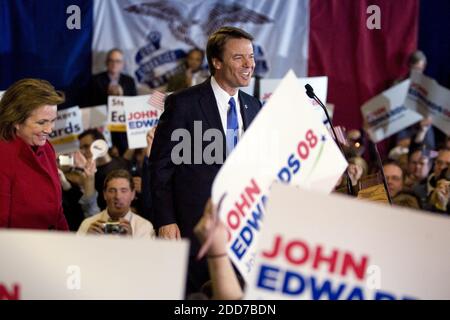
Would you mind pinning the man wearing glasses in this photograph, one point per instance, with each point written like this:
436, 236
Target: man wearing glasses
112, 81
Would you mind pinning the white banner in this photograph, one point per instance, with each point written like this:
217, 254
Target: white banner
386, 113
332, 247
287, 141
68, 126
63, 266
429, 98
156, 35
140, 118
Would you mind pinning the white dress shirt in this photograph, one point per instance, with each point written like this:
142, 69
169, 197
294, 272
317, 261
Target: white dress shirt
142, 228
222, 98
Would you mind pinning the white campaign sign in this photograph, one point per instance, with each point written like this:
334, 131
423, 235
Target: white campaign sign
55, 265
268, 86
68, 126
319, 84
386, 113
94, 117
116, 114
140, 118
316, 246
287, 141
427, 97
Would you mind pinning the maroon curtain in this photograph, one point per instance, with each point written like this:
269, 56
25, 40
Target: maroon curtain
359, 62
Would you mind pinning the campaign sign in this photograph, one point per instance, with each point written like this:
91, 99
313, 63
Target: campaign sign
57, 265
68, 126
140, 118
95, 116
429, 98
332, 247
320, 85
116, 114
386, 113
286, 142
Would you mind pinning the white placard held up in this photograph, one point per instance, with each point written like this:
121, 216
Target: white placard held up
68, 126
56, 265
429, 98
386, 113
140, 118
320, 85
287, 141
95, 116
316, 246
116, 114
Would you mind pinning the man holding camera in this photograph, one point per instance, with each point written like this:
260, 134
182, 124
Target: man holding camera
117, 218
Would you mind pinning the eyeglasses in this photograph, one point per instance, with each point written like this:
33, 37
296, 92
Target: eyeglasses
114, 61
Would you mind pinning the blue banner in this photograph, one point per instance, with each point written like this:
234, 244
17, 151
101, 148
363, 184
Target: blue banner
41, 39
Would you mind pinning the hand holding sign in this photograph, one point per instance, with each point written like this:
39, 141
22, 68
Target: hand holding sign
207, 227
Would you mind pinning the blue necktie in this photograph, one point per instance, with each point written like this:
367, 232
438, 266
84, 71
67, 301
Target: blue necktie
232, 126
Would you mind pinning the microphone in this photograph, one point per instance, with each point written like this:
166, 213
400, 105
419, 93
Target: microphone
310, 93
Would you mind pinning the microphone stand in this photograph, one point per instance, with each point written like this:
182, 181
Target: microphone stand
310, 93
380, 165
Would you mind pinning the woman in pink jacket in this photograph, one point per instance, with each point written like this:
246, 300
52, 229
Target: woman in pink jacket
30, 191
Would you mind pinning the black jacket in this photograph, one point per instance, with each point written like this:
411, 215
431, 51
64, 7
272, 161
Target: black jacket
98, 89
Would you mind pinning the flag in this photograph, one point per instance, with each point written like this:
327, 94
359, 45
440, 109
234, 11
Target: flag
340, 135
157, 100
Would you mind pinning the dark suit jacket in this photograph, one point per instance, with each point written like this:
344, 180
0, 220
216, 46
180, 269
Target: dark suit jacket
30, 191
98, 91
180, 192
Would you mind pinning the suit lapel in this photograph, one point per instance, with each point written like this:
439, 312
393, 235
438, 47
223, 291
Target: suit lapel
210, 110
247, 115
209, 107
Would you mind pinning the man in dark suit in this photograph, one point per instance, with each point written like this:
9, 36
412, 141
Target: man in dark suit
112, 82
180, 191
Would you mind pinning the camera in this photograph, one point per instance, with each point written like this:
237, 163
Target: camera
113, 228
66, 160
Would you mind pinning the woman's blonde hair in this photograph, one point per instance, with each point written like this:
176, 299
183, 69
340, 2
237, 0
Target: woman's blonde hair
21, 99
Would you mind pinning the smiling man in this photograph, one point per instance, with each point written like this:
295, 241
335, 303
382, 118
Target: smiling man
180, 191
117, 218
